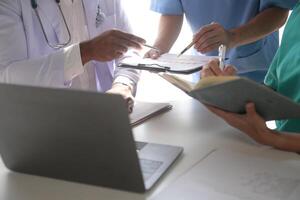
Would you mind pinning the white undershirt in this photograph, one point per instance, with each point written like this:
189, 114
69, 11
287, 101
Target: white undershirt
82, 77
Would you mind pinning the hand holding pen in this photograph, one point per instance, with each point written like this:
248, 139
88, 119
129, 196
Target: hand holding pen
210, 37
222, 54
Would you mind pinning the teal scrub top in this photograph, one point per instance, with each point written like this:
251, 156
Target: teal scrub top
256, 56
284, 73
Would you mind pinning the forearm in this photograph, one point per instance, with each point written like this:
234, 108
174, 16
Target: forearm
283, 141
263, 24
169, 30
129, 77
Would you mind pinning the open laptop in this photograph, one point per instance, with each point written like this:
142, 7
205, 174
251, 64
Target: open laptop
77, 136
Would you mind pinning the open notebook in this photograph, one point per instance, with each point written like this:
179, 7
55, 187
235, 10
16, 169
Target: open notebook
185, 64
232, 93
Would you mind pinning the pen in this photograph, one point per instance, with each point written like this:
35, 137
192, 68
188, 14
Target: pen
186, 48
222, 54
189, 46
151, 47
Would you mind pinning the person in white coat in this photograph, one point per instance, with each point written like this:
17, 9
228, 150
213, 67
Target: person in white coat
69, 43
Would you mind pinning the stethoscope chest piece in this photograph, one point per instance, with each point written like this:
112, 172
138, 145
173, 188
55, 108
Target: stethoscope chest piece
100, 17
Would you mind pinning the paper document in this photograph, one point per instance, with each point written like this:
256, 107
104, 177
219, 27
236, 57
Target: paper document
229, 175
184, 64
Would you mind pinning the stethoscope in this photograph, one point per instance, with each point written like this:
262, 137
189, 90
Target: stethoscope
100, 18
58, 45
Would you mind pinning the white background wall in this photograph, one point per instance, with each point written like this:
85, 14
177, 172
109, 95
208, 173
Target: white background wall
145, 22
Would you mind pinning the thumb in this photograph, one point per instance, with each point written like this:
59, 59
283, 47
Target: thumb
230, 70
250, 109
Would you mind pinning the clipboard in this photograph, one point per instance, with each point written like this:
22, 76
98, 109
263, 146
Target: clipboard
185, 64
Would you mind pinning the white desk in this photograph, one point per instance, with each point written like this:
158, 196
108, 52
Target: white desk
189, 125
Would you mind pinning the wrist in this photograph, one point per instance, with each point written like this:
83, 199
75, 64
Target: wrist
123, 85
85, 52
163, 48
269, 138
234, 38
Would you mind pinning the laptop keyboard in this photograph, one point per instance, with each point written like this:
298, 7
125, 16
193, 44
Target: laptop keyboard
149, 167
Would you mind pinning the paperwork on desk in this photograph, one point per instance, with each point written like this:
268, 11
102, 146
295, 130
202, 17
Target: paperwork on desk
228, 175
185, 64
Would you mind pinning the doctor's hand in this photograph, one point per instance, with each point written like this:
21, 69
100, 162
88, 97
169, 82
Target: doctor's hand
110, 45
211, 36
212, 69
126, 92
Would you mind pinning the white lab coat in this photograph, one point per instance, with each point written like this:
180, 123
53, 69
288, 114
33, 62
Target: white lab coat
25, 57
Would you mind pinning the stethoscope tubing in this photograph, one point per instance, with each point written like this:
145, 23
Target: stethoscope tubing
53, 46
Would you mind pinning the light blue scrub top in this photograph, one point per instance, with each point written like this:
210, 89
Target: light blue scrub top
255, 57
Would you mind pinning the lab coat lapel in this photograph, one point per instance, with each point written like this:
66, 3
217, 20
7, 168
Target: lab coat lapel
91, 8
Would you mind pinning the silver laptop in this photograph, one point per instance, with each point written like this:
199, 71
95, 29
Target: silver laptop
77, 136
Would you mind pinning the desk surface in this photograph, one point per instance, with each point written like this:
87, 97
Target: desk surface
188, 125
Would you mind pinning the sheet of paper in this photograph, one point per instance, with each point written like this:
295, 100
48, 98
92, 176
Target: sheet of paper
229, 175
183, 62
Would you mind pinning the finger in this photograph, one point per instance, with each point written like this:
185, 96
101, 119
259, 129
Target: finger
131, 37
127, 43
207, 72
203, 30
207, 69
209, 48
147, 55
130, 108
119, 47
208, 36
130, 104
230, 70
153, 54
219, 112
118, 55
213, 63
216, 70
250, 109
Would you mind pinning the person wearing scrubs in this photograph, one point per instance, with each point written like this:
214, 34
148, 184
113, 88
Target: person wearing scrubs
245, 27
284, 77
67, 44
